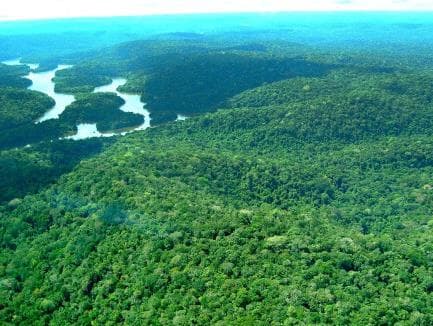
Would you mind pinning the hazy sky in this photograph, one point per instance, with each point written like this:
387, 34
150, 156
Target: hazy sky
17, 9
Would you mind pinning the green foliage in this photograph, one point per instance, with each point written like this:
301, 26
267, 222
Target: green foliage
20, 107
307, 201
102, 109
27, 170
19, 110
11, 76
134, 85
162, 117
230, 220
113, 213
31, 133
79, 80
204, 81
186, 77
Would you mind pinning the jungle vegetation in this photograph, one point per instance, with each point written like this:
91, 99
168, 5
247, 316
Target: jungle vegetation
29, 169
300, 190
10, 76
102, 109
21, 108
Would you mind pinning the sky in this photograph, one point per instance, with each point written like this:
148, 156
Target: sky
39, 9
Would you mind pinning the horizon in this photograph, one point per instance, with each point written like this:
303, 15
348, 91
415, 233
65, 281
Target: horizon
22, 10
324, 12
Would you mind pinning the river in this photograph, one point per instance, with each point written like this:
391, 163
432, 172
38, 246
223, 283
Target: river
132, 104
43, 82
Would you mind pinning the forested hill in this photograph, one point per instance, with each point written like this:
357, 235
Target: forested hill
190, 76
304, 201
299, 191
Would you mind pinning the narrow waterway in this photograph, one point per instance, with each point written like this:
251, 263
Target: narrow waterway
88, 130
132, 104
17, 62
43, 82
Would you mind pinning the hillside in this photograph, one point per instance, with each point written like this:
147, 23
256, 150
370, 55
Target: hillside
306, 202
298, 191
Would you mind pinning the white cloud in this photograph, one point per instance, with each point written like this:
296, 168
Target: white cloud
14, 9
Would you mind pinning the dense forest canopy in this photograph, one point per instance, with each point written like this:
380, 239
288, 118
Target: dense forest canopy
21, 107
102, 109
298, 191
10, 76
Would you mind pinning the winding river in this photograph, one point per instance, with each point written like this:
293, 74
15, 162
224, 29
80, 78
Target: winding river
132, 104
43, 82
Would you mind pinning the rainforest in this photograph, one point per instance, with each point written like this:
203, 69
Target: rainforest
220, 169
